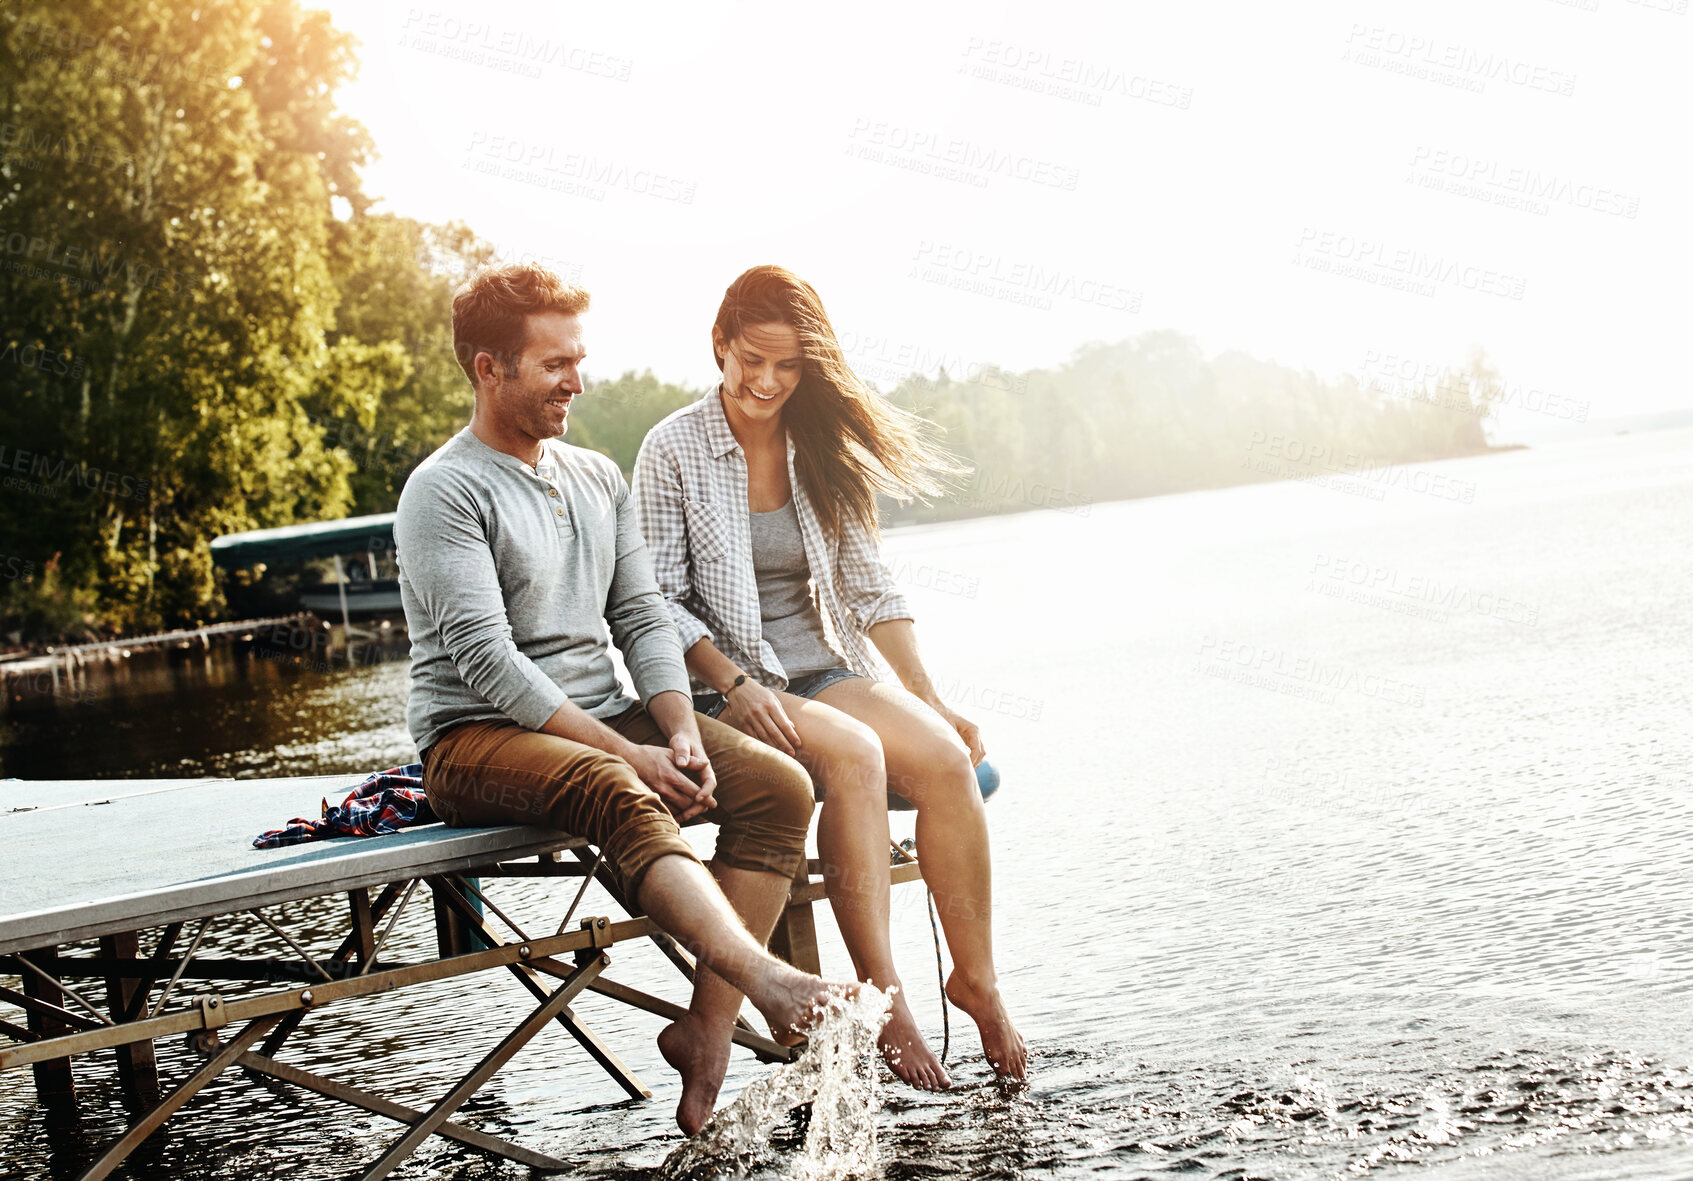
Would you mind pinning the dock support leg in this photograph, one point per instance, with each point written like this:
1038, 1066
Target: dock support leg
452, 933
167, 1107
54, 1082
795, 936
138, 1070
525, 974
487, 1068
363, 935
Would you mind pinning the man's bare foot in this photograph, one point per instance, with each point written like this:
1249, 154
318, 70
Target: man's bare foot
1004, 1047
700, 1056
790, 1040
905, 1051
793, 1001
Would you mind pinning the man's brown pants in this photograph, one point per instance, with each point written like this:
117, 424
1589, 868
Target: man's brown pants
497, 772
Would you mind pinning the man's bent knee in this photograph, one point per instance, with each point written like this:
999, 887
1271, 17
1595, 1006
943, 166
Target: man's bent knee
628, 820
768, 832
787, 805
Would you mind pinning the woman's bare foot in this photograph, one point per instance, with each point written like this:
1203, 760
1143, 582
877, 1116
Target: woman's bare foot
1004, 1047
701, 1057
905, 1051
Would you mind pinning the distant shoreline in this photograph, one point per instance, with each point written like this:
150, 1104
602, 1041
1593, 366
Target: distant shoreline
936, 514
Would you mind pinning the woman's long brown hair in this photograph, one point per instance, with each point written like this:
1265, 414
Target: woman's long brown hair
849, 442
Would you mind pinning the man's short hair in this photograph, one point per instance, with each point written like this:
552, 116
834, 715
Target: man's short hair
491, 311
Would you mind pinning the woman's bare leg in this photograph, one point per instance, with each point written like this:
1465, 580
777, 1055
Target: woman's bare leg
927, 764
845, 756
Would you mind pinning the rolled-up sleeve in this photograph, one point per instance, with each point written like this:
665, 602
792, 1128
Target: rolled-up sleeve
866, 586
640, 625
664, 524
441, 542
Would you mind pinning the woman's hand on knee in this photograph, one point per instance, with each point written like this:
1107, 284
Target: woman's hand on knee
753, 709
967, 730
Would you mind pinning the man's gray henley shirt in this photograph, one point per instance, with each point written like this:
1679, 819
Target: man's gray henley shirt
510, 576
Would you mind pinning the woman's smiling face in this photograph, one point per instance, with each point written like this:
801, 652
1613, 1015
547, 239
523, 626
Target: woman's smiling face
761, 369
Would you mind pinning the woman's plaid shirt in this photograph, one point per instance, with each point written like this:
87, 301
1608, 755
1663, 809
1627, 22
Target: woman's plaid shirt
691, 489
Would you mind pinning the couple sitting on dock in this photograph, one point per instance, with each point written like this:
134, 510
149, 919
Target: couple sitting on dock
740, 580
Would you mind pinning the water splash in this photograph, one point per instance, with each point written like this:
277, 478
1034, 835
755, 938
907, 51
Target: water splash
837, 1075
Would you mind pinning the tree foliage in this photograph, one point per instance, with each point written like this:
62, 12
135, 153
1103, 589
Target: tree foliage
1154, 415
189, 327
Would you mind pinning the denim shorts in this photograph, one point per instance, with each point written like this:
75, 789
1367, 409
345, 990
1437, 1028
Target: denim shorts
804, 685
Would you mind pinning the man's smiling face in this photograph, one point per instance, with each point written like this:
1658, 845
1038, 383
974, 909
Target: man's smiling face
535, 402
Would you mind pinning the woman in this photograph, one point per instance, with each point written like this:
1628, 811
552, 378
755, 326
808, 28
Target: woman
758, 503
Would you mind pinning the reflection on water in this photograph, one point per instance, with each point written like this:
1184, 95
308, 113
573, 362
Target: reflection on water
1288, 882
222, 712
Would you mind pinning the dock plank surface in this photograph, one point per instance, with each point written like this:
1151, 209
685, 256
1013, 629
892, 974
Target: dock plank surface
94, 858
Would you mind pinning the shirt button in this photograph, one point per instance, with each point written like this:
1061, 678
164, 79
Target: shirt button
552, 491
561, 512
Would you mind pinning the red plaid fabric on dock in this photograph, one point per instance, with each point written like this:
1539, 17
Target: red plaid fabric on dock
385, 802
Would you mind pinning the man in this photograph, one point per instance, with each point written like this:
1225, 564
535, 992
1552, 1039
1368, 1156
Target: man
515, 554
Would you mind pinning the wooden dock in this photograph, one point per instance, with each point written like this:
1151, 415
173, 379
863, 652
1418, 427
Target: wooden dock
116, 883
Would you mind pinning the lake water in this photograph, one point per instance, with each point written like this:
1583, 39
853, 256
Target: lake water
1346, 831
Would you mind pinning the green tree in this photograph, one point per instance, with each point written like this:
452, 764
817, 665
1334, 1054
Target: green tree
224, 351
614, 416
395, 279
169, 195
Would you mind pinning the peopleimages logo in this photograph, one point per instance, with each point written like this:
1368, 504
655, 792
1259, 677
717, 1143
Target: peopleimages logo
509, 50
1296, 673
55, 474
1059, 76
91, 267
1413, 592
1514, 185
1289, 457
950, 157
44, 360
1436, 384
1355, 256
578, 173
112, 57
24, 142
1435, 60
984, 272
877, 357
12, 567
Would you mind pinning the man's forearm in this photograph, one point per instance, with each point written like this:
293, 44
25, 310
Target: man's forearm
577, 724
674, 714
672, 711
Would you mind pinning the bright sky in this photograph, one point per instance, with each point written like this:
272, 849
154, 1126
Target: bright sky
1349, 187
